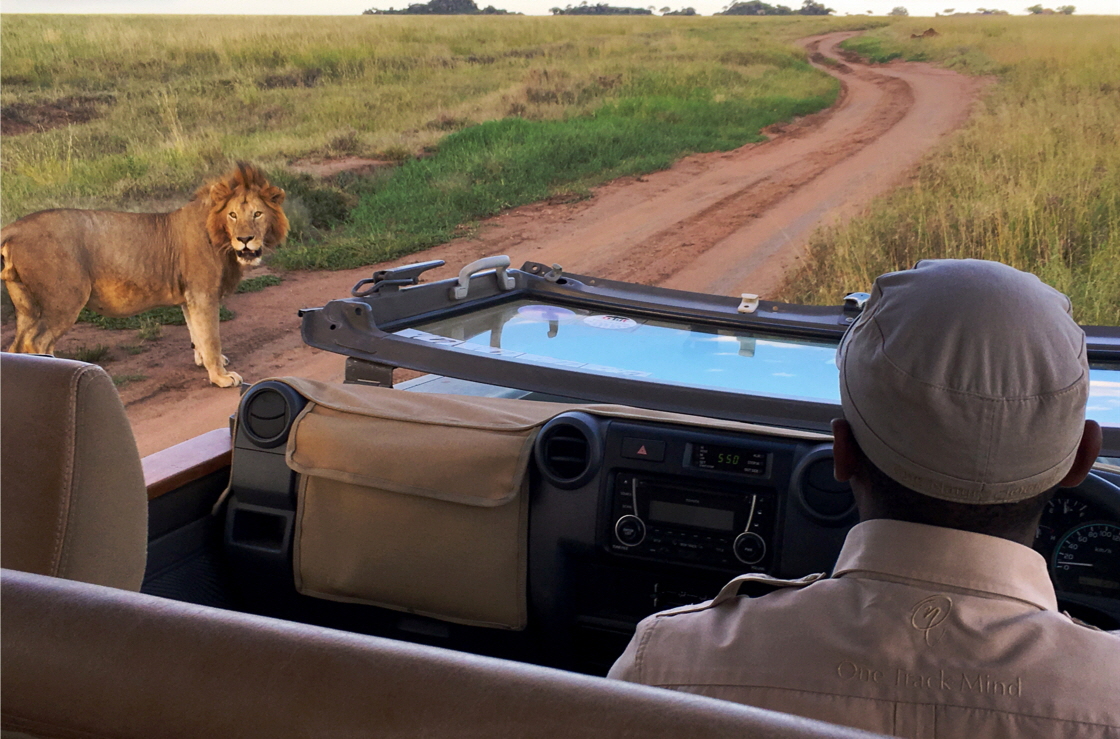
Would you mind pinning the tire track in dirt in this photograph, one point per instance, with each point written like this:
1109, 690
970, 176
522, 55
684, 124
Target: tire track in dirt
726, 223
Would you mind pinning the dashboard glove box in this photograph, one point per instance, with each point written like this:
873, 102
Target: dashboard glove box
414, 502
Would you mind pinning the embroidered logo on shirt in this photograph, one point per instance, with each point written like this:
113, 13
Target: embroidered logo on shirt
930, 613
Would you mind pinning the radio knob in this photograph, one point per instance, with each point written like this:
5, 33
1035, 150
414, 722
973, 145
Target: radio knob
749, 548
630, 530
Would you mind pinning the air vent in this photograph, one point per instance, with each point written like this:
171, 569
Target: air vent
266, 415
569, 450
821, 496
267, 412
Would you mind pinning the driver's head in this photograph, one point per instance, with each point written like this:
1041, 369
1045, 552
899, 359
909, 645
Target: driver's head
965, 382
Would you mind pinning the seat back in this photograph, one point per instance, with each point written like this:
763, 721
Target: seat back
73, 496
84, 660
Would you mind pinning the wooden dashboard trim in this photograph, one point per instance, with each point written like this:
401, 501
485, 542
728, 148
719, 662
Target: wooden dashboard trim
177, 465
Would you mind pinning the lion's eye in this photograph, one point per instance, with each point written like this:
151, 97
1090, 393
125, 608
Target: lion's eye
257, 214
233, 215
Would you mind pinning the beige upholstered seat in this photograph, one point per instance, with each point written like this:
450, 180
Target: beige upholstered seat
74, 503
84, 660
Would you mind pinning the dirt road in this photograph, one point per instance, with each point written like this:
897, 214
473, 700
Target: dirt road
723, 223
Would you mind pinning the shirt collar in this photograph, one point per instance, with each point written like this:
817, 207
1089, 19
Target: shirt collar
959, 559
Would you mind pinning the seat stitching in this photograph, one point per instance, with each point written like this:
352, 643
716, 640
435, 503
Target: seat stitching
70, 432
74, 473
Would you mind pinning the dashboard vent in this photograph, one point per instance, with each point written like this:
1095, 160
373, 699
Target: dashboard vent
266, 415
826, 500
267, 412
569, 449
565, 453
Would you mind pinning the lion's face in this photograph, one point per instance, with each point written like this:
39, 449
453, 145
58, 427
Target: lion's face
246, 215
247, 222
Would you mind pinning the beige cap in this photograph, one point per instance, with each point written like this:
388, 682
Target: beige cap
966, 380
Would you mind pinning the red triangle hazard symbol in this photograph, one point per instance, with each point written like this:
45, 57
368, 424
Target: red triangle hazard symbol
642, 450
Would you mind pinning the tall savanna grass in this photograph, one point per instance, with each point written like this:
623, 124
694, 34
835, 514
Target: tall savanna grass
182, 97
1033, 180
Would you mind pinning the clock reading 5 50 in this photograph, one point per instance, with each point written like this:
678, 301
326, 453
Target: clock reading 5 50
729, 459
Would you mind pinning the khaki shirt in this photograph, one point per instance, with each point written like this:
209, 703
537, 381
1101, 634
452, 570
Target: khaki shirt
921, 631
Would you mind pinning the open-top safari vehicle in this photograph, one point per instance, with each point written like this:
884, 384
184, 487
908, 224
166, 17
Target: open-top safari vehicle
581, 454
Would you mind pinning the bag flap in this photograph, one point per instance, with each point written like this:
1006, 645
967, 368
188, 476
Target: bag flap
473, 451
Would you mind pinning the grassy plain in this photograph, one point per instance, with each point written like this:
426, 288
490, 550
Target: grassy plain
179, 98
511, 109
1033, 180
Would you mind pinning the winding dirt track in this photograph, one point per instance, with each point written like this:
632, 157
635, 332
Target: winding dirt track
722, 223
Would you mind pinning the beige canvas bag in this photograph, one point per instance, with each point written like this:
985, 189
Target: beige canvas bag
414, 502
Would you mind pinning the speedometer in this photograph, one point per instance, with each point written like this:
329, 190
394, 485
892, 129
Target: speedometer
1087, 560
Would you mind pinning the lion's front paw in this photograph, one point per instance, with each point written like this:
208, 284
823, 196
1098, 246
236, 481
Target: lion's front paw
226, 379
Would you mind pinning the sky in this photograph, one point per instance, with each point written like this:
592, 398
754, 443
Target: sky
529, 7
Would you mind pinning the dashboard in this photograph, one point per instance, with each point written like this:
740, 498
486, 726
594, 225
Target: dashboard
627, 517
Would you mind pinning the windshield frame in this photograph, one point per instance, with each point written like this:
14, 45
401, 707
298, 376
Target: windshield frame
362, 328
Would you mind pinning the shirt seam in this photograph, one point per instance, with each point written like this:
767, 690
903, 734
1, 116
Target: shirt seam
857, 573
639, 654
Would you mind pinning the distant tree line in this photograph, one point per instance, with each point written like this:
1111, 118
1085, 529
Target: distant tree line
441, 7
757, 7
1063, 9
599, 9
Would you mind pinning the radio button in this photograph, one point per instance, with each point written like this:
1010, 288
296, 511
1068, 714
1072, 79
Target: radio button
630, 530
749, 548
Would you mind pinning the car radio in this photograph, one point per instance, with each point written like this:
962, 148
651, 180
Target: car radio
680, 521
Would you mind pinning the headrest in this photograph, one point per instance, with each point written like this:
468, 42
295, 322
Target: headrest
73, 495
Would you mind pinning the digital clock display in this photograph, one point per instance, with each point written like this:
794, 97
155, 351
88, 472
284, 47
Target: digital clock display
729, 459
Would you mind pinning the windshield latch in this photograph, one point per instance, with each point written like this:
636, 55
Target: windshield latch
853, 306
392, 280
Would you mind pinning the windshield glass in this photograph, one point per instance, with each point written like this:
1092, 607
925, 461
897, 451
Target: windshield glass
658, 350
673, 352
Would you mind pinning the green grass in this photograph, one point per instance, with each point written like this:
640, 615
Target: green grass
96, 354
122, 380
484, 169
1033, 180
256, 284
169, 316
874, 49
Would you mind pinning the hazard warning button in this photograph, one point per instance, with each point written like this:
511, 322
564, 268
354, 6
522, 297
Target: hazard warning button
648, 450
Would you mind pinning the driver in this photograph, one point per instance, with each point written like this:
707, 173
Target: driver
963, 385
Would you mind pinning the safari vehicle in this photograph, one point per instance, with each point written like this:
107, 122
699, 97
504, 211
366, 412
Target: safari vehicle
579, 454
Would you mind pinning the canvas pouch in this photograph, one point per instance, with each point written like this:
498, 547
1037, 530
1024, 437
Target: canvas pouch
413, 501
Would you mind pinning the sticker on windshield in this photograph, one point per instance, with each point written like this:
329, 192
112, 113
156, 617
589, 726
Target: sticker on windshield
611, 323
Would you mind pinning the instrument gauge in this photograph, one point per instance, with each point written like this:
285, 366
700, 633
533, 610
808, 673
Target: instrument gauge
1087, 560
1061, 514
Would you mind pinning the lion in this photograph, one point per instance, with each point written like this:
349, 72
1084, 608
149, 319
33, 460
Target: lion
55, 262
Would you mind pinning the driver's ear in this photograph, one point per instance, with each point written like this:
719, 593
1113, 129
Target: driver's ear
1087, 452
845, 451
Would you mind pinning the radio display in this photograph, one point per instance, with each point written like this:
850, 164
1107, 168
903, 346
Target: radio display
729, 459
687, 515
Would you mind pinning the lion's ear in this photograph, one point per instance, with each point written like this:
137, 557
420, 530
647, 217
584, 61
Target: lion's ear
273, 194
219, 193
